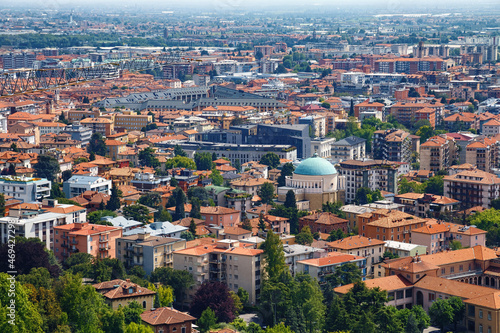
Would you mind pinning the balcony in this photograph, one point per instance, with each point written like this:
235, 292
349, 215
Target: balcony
66, 245
103, 248
74, 242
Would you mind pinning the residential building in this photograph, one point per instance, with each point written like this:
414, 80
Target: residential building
103, 126
322, 146
160, 229
168, 319
350, 148
407, 113
320, 268
472, 188
226, 261
351, 212
374, 174
402, 250
392, 145
77, 185
132, 122
437, 236
79, 132
371, 249
368, 105
483, 154
26, 189
438, 153
95, 239
115, 148
386, 224
119, 293
297, 252
425, 204
148, 252
325, 222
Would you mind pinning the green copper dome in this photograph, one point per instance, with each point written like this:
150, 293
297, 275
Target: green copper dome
315, 166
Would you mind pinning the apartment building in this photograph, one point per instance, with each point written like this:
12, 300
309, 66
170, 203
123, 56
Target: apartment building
226, 261
103, 126
95, 239
392, 145
438, 153
374, 174
132, 122
437, 236
472, 188
320, 268
325, 222
406, 113
371, 249
491, 128
426, 204
115, 148
483, 154
77, 185
26, 189
149, 252
387, 224
368, 105
350, 148
296, 252
404, 249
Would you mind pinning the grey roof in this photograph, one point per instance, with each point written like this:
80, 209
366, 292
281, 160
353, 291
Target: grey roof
157, 229
121, 221
349, 141
297, 249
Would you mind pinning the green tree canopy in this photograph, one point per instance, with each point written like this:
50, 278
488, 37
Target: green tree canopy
286, 170
203, 161
266, 192
136, 212
97, 145
147, 158
305, 236
47, 167
271, 160
180, 162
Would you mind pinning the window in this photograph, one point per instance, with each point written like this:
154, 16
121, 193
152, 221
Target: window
432, 297
452, 269
480, 313
489, 315
183, 330
399, 294
144, 304
443, 270
472, 310
480, 328
408, 293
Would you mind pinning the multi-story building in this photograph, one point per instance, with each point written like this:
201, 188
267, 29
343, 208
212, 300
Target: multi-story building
371, 249
99, 125
368, 105
386, 224
323, 223
392, 145
483, 154
406, 113
149, 252
79, 132
18, 60
118, 293
350, 148
425, 204
404, 249
374, 174
351, 212
438, 153
132, 122
76, 185
437, 236
320, 268
472, 188
227, 262
296, 252
95, 239
25, 188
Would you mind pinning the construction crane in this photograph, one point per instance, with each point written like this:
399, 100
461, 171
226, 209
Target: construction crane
31, 80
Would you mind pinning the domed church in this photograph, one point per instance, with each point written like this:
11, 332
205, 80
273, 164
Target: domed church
314, 182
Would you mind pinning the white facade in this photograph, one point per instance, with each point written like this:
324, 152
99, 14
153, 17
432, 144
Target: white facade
25, 188
76, 185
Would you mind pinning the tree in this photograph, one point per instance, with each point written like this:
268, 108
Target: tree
280, 328
488, 220
305, 236
274, 256
148, 159
178, 151
138, 328
192, 227
150, 199
271, 160
290, 201
47, 167
216, 296
243, 295
216, 177
66, 174
334, 208
132, 312
199, 193
336, 234
97, 145
405, 186
114, 201
96, 216
266, 193
435, 185
455, 245
14, 148
203, 161
187, 235
55, 191
286, 170
180, 162
246, 224
458, 307
346, 274
364, 195
259, 55
180, 199
441, 313
174, 182
137, 212
165, 294
25, 316
207, 320
179, 280
280, 69
12, 170
237, 165
262, 223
